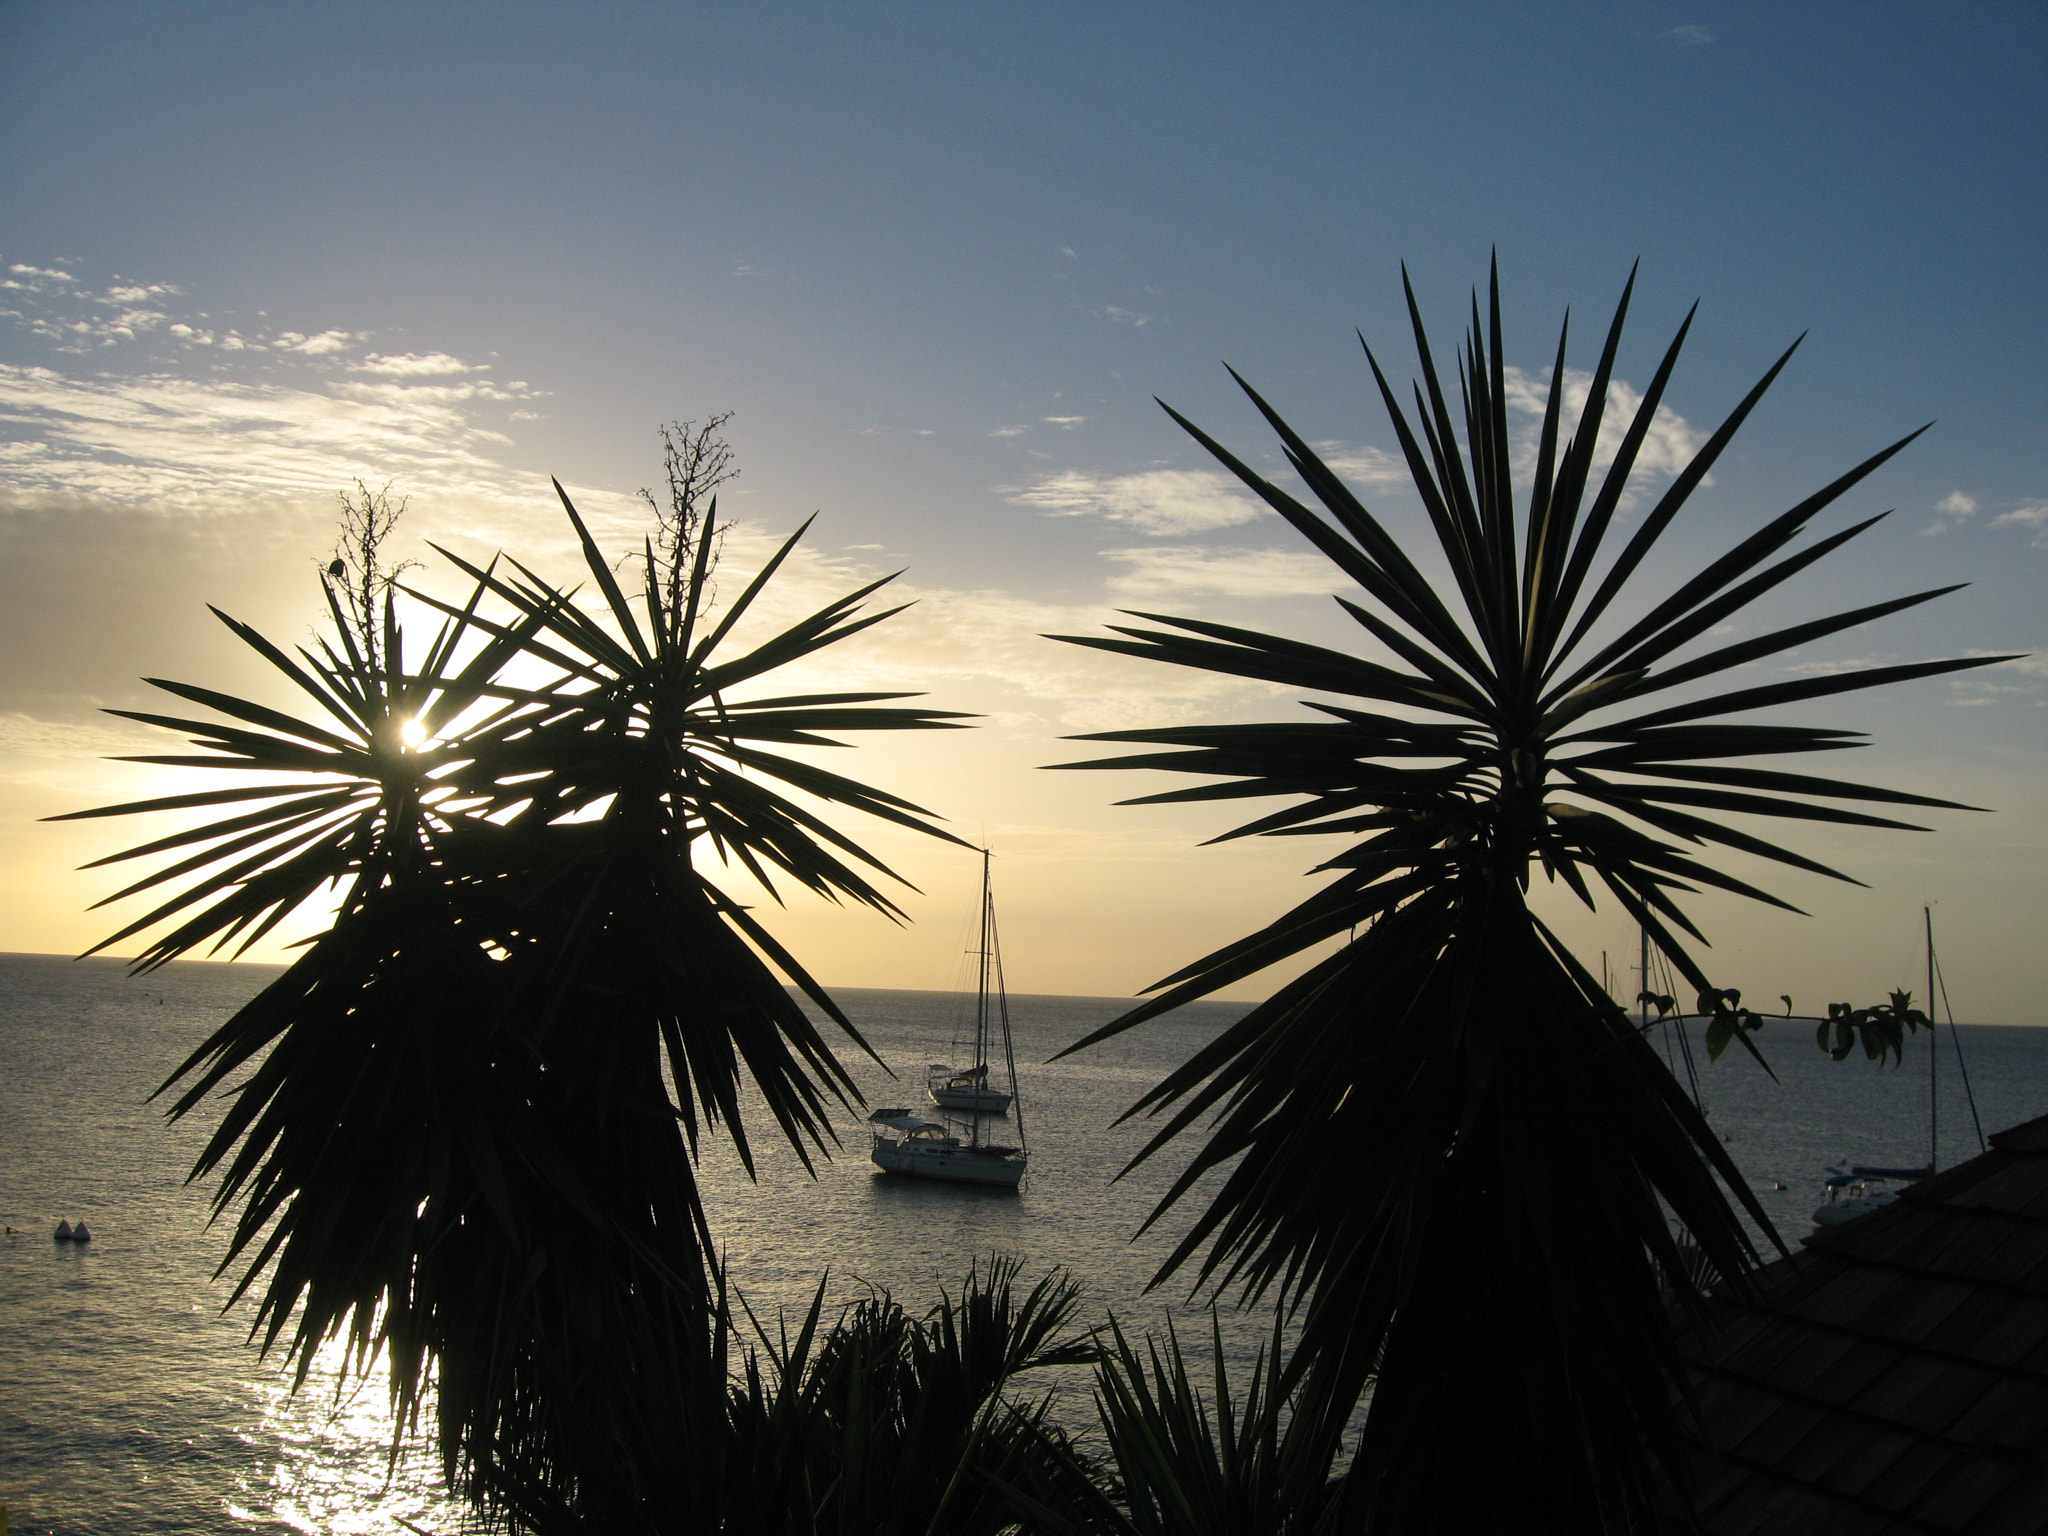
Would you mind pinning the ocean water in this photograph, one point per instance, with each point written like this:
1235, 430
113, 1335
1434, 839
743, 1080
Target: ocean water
130, 1404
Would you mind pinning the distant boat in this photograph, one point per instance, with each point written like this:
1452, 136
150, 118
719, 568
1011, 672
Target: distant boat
1850, 1194
923, 1149
79, 1234
63, 1234
909, 1144
1849, 1191
968, 1089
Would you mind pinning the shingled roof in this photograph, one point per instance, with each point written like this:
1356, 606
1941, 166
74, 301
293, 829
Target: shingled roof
1893, 1376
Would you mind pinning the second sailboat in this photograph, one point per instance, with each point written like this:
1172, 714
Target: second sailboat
969, 1089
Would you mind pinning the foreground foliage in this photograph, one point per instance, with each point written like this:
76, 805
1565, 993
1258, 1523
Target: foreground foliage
886, 1422
1446, 1148
462, 1124
461, 1127
1181, 1462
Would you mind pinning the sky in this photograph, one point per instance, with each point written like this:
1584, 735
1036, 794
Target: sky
939, 261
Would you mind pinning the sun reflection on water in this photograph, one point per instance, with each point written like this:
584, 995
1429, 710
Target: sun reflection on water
333, 1468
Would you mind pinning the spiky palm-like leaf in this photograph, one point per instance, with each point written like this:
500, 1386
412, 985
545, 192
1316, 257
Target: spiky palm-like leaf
884, 1421
1508, 1146
468, 1133
1182, 1464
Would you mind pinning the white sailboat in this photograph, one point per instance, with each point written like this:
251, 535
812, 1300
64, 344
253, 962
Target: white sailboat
907, 1143
969, 1088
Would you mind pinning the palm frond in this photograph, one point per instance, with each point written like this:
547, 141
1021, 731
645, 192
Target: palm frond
1510, 1146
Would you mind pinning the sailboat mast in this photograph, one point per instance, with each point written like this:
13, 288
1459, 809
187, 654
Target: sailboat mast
1933, 1050
981, 987
1643, 999
982, 1008
995, 946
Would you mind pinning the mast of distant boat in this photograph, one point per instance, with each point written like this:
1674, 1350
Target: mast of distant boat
1009, 1046
1933, 1054
1643, 992
980, 1068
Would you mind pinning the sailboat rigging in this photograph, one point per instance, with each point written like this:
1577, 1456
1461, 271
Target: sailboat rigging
969, 1089
907, 1143
1849, 1193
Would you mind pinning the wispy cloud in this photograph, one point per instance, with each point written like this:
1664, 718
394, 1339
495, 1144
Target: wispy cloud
1009, 431
142, 479
180, 443
24, 735
1952, 511
985, 648
1834, 666
1160, 501
405, 365
22, 275
1066, 422
1186, 570
2033, 517
2023, 681
1668, 445
78, 318
190, 421
2013, 682
1136, 319
1692, 36
1364, 466
318, 345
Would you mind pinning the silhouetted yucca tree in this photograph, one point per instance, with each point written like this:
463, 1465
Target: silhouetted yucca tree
1445, 1145
461, 1124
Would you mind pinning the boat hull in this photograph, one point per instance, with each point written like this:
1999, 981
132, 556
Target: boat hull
977, 1101
954, 1165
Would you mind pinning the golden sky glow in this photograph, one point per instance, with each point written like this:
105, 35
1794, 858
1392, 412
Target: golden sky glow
940, 271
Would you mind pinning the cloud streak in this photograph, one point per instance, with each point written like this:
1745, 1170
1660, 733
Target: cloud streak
1157, 501
1194, 570
1172, 502
1370, 467
124, 486
1668, 445
2033, 518
198, 417
412, 365
178, 443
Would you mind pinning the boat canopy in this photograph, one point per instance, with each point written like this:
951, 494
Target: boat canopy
903, 1120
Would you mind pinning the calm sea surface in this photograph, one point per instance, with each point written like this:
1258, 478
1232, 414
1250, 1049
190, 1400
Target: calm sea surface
129, 1403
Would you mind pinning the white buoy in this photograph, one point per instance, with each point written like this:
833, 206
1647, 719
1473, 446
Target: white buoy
79, 1234
63, 1232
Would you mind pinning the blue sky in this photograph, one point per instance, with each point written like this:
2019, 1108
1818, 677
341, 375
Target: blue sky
939, 260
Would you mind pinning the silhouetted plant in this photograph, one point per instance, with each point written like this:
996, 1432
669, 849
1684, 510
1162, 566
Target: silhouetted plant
1443, 1145
464, 1123
359, 570
1177, 1462
887, 1422
696, 460
1881, 1029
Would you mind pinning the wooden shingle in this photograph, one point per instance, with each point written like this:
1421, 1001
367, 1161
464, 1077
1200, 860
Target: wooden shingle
1893, 1376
